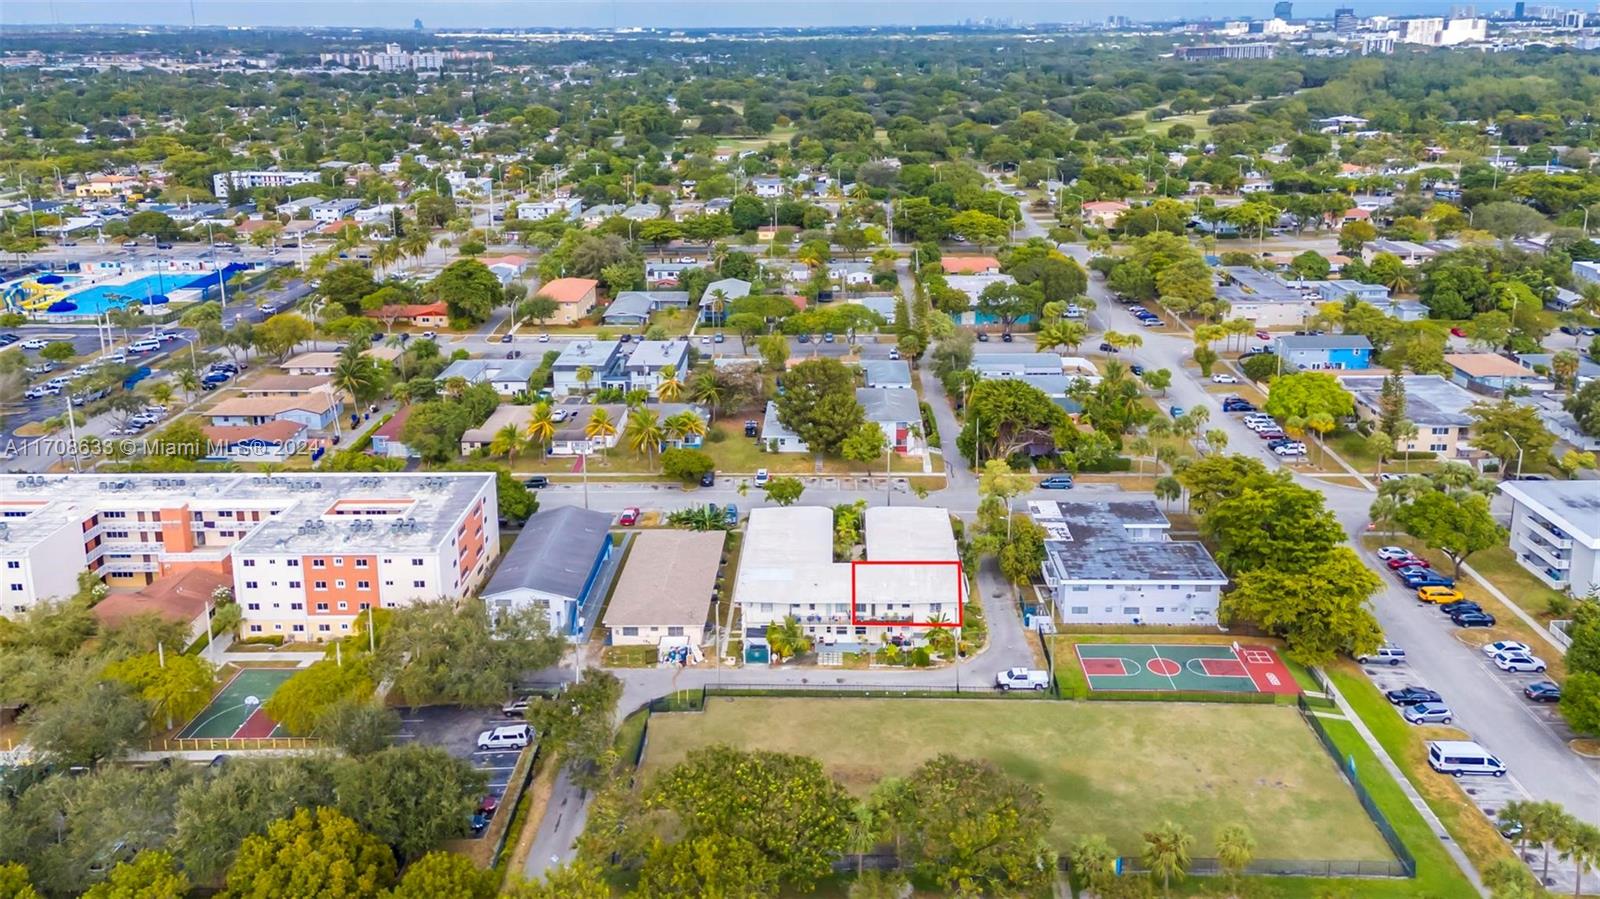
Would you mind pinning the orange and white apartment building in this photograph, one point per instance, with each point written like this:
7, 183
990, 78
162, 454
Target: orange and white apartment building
306, 554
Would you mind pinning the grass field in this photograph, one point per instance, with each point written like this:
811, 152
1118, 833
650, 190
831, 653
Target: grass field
1111, 768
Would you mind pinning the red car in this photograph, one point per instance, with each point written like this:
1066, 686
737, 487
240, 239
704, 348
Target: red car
629, 518
1418, 561
1457, 332
1263, 335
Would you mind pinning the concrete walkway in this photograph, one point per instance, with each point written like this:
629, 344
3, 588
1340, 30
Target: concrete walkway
1532, 623
1406, 787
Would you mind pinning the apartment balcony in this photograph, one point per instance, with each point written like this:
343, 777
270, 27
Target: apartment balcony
127, 566
1550, 534
1546, 555
1551, 577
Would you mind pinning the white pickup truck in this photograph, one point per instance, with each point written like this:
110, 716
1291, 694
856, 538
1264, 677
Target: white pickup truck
1022, 679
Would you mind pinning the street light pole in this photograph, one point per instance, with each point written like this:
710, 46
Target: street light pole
1519, 452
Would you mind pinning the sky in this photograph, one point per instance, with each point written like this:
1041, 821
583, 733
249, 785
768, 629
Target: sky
534, 14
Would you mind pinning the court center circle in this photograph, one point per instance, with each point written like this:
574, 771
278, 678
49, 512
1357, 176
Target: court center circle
1164, 667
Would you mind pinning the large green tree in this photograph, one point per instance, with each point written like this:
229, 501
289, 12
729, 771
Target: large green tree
1455, 524
314, 852
819, 404
469, 290
975, 830
450, 652
1320, 610
1271, 524
411, 797
785, 806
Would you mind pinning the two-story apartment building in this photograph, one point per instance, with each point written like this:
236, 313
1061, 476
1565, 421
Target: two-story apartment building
601, 358
1436, 405
1555, 532
787, 568
1114, 563
648, 359
306, 553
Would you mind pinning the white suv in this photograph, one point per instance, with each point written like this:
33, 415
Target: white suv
511, 736
1519, 661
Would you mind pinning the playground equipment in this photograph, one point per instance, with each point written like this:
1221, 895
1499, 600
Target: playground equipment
32, 296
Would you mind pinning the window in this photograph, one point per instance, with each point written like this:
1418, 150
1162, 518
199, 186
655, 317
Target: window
1130, 610
255, 628
249, 563
251, 585
1080, 588
324, 627
297, 606
343, 606
293, 563
297, 628
630, 632
338, 561
419, 584
319, 563
322, 607
319, 585
674, 631
363, 585
1437, 447
13, 564
1438, 430
339, 584
416, 562
294, 585
253, 606
16, 588
1080, 610
361, 563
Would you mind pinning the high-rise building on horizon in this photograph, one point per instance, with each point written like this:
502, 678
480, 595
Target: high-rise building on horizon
416, 24
1344, 20
1283, 9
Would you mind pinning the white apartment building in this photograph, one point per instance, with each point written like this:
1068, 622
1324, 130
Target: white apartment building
1113, 563
788, 568
562, 207
1555, 532
223, 182
306, 553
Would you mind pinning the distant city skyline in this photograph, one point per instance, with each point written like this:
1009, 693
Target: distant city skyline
465, 14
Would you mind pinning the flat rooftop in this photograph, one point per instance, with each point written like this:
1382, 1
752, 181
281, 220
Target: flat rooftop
1574, 506
1430, 399
1100, 542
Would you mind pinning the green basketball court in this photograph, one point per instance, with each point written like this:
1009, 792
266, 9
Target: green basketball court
1184, 667
236, 710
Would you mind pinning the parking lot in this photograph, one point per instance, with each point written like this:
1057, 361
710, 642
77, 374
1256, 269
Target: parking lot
455, 730
1489, 794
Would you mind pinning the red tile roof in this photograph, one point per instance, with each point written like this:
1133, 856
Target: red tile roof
568, 290
181, 598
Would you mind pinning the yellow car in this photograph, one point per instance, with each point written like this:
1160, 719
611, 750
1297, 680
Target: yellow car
1440, 595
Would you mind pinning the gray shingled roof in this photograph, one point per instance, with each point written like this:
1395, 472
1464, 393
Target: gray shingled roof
554, 553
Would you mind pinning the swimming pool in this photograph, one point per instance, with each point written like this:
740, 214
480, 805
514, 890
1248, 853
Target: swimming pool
97, 299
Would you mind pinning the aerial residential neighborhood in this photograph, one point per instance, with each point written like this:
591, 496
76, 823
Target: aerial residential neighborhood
876, 450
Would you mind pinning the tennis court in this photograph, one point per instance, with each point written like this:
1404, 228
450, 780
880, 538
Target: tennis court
236, 710
1188, 667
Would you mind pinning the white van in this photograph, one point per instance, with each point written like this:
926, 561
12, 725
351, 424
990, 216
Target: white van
1458, 757
512, 736
148, 345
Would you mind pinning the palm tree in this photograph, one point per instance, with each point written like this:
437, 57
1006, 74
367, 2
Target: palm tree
1095, 862
1544, 823
719, 299
416, 242
1217, 440
684, 425
706, 390
542, 425
1235, 847
600, 427
161, 393
188, 382
585, 375
644, 432
355, 374
1166, 852
1580, 845
787, 638
508, 441
1140, 448
668, 387
862, 828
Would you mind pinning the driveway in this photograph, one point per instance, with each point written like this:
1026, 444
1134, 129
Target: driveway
455, 730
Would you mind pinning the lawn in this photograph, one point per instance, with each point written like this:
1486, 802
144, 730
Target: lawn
1095, 762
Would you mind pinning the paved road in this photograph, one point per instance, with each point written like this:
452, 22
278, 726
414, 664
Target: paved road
1486, 704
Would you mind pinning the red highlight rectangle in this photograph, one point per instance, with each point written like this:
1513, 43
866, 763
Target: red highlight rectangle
960, 594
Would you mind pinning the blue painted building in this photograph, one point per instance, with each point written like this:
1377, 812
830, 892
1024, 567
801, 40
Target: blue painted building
1343, 352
